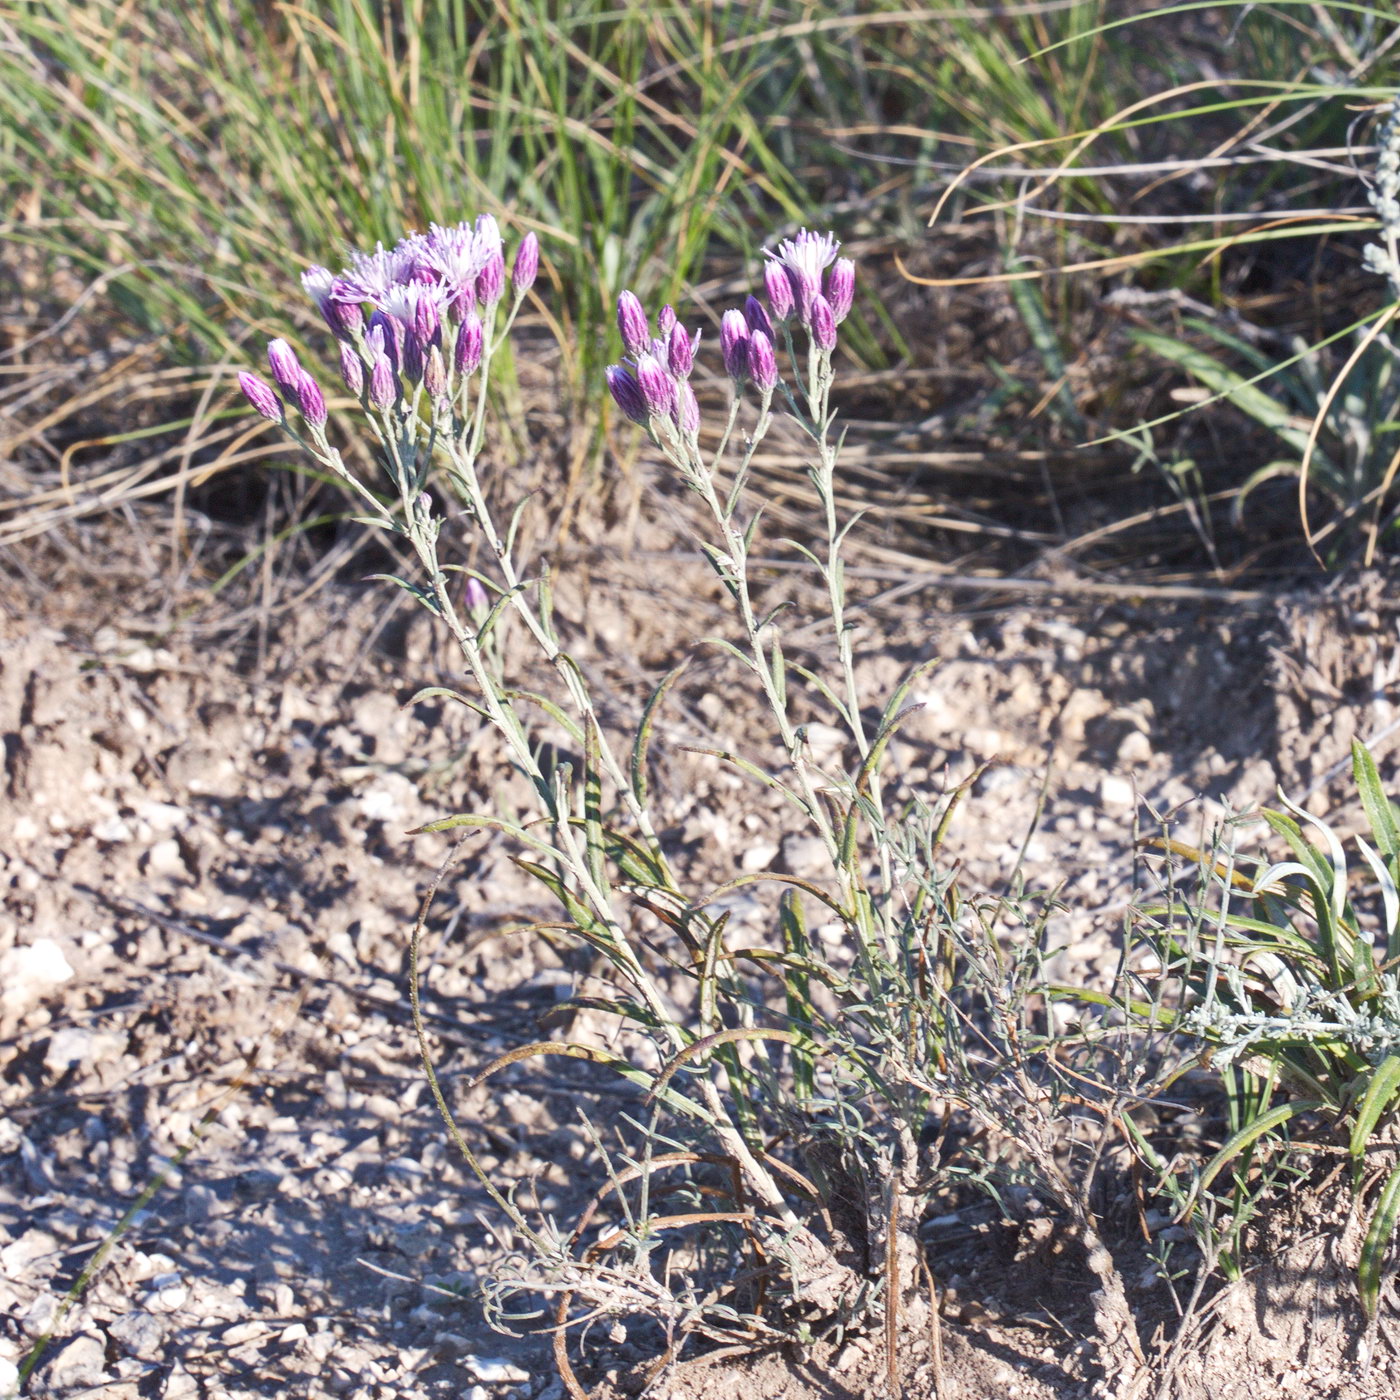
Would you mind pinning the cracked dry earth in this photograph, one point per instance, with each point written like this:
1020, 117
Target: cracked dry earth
207, 891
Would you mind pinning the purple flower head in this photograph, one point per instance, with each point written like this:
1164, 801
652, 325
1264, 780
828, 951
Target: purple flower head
488, 234
665, 319
734, 345
317, 283
657, 386
779, 289
823, 324
414, 306
686, 413
680, 351
491, 280
286, 368
311, 401
467, 352
456, 255
804, 259
352, 369
477, 599
627, 393
632, 322
527, 264
757, 317
343, 310
371, 276
259, 393
434, 374
320, 286
383, 389
841, 288
763, 363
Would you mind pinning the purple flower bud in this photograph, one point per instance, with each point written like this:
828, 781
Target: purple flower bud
478, 600
352, 369
779, 289
337, 303
391, 335
311, 401
632, 322
434, 374
343, 312
491, 280
425, 323
757, 317
734, 345
527, 265
687, 410
259, 393
318, 283
286, 368
464, 303
823, 323
680, 351
763, 363
627, 393
665, 319
467, 354
411, 362
841, 288
382, 388
657, 386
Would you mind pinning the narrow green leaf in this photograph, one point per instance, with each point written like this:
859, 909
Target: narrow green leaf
421, 594
1220, 379
644, 731
566, 722
1381, 1091
1378, 1237
1379, 813
1252, 1132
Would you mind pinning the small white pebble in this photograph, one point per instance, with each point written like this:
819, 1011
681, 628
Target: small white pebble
493, 1370
1115, 793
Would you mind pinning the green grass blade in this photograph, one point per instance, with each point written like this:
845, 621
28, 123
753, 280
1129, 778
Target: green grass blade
1381, 1092
1378, 1237
1252, 1131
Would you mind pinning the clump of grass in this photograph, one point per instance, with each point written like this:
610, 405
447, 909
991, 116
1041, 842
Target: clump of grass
632, 139
1280, 213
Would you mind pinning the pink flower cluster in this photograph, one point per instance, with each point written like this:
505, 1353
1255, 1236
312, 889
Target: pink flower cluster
404, 316
657, 383
803, 280
793, 279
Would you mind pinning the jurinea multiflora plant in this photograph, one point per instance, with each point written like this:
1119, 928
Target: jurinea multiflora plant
777, 1080
418, 326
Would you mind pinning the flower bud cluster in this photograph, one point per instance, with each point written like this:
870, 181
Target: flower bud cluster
802, 280
408, 317
796, 286
653, 386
